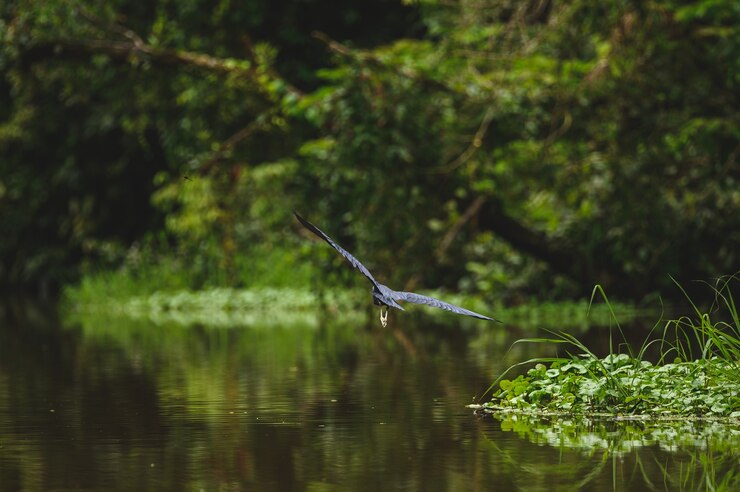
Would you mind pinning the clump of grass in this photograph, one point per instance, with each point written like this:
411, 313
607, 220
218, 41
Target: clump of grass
701, 385
711, 338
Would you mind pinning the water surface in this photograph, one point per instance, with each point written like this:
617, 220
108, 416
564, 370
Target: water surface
115, 404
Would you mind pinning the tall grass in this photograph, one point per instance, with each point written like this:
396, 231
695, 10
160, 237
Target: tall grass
711, 338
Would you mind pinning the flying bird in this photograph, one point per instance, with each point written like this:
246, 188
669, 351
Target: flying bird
384, 296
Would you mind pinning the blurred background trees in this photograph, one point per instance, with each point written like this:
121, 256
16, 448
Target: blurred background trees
502, 148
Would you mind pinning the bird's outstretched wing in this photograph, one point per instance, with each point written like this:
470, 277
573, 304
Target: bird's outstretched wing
431, 301
354, 261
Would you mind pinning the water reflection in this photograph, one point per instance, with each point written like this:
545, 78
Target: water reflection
595, 455
110, 403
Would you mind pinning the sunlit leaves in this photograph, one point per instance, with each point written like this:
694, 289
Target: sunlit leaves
196, 206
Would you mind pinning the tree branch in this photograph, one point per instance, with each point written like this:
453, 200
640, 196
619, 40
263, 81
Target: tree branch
365, 57
134, 47
124, 51
471, 212
244, 133
475, 144
128, 50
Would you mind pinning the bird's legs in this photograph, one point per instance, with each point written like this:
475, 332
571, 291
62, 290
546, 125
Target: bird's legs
384, 316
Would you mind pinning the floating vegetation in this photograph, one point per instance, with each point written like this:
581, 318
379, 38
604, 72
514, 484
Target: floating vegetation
622, 385
235, 307
221, 306
702, 382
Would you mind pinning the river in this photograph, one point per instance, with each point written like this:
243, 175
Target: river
111, 403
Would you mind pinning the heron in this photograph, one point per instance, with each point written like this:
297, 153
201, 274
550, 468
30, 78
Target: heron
384, 296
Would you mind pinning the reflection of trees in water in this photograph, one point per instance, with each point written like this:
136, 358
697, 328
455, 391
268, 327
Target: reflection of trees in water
179, 406
682, 455
273, 407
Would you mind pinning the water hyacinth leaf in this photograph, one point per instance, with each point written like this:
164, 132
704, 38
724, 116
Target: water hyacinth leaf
718, 408
590, 387
576, 366
638, 389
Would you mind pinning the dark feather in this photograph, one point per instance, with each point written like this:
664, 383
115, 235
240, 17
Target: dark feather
354, 261
431, 301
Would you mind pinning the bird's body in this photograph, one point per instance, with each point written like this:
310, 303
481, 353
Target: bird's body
384, 296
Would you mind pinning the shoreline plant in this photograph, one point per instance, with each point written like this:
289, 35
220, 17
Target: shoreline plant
701, 381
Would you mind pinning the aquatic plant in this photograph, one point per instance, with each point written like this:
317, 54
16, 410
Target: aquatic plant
219, 306
619, 384
703, 386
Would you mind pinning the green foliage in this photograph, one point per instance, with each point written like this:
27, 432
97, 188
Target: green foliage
533, 150
560, 122
618, 384
622, 383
